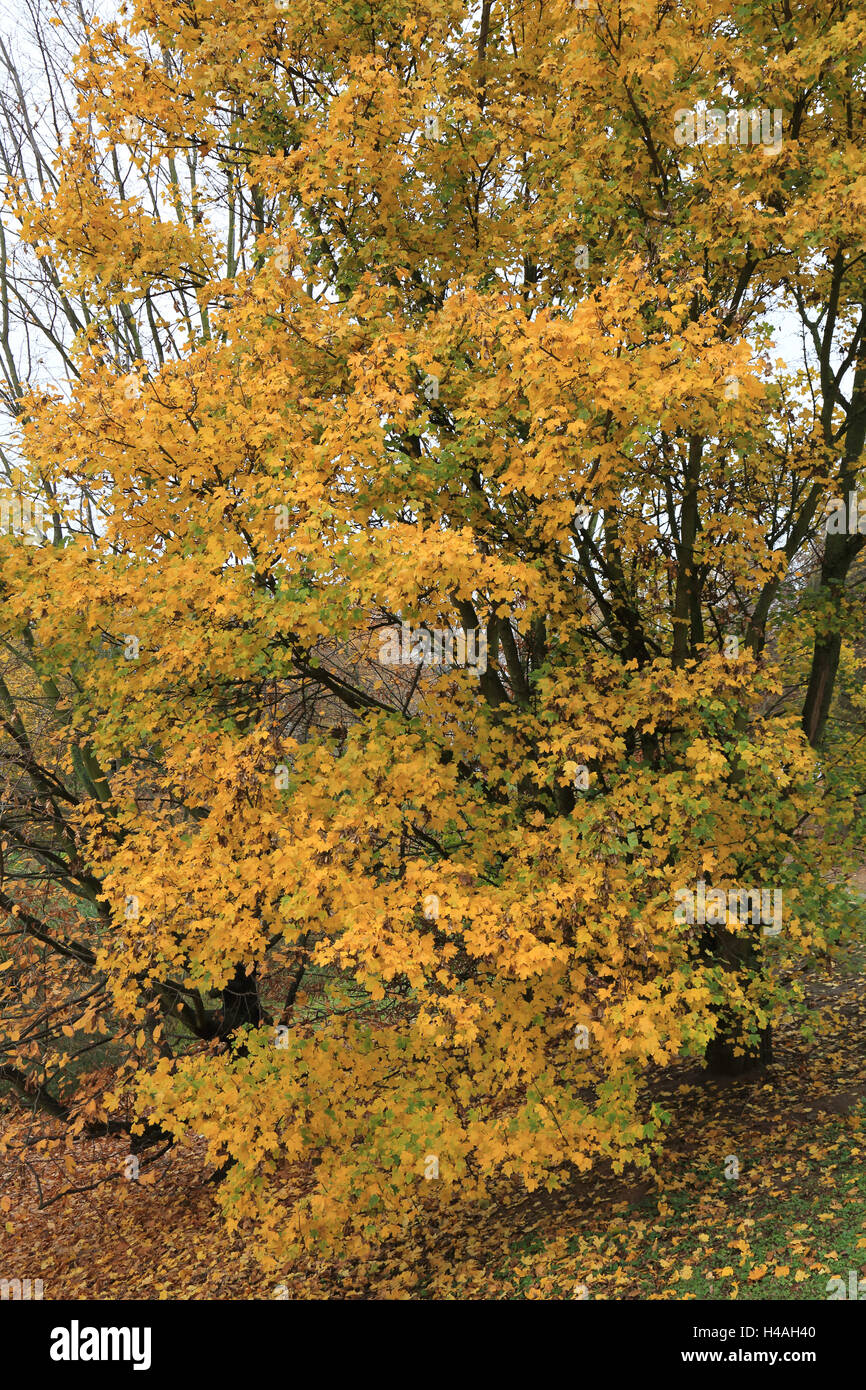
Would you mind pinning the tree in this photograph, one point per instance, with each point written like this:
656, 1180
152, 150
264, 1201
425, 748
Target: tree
494, 366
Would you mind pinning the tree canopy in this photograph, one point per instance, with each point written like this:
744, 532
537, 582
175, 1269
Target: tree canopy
434, 319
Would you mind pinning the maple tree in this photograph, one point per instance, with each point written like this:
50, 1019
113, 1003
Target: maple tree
423, 316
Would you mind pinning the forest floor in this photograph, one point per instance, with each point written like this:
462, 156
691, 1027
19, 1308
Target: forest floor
793, 1219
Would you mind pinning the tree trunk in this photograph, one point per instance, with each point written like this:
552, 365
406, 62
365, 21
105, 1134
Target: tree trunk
721, 1060
739, 954
240, 1002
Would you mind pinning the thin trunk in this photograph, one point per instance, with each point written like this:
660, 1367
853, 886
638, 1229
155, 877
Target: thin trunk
241, 1004
721, 1058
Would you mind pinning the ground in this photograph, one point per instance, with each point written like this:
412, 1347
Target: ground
793, 1218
